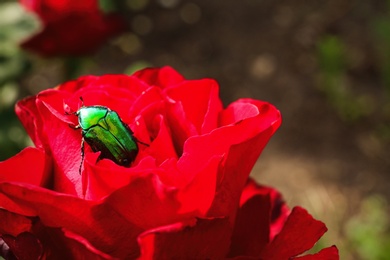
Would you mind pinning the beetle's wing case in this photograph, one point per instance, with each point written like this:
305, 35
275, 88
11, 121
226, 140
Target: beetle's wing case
99, 139
121, 131
109, 135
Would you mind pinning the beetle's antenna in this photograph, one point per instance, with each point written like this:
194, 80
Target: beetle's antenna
82, 155
68, 111
75, 112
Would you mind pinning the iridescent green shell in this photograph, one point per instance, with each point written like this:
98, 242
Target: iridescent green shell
104, 131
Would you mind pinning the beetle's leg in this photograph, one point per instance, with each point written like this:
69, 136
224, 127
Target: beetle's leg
82, 155
138, 141
75, 127
70, 113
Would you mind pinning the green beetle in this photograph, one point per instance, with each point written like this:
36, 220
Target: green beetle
104, 131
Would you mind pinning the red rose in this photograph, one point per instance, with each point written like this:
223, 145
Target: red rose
186, 195
70, 27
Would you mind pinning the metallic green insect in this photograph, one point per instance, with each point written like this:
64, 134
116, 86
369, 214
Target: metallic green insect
104, 131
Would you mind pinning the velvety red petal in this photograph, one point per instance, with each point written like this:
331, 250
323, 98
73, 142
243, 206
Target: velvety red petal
13, 224
80, 248
146, 99
28, 114
240, 144
199, 194
194, 239
31, 166
24, 246
62, 244
251, 230
85, 33
194, 97
329, 253
278, 211
108, 225
238, 111
180, 126
98, 177
114, 82
26, 235
198, 149
126, 95
72, 86
214, 108
98, 223
247, 108
50, 10
162, 77
63, 143
146, 197
261, 208
162, 147
300, 232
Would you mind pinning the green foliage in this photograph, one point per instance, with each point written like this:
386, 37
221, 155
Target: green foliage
135, 66
367, 233
12, 135
334, 81
15, 25
107, 6
381, 30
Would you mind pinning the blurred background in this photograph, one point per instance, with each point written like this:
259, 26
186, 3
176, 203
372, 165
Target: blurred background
324, 64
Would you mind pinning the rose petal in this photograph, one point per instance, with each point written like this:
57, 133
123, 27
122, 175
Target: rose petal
162, 147
261, 208
106, 223
80, 248
50, 9
98, 223
247, 108
24, 246
193, 239
28, 114
329, 253
300, 232
117, 92
92, 23
13, 224
62, 244
198, 149
162, 77
147, 98
180, 131
90, 82
239, 161
279, 210
214, 108
238, 111
98, 177
55, 137
64, 145
146, 197
251, 230
31, 166
194, 98
199, 194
